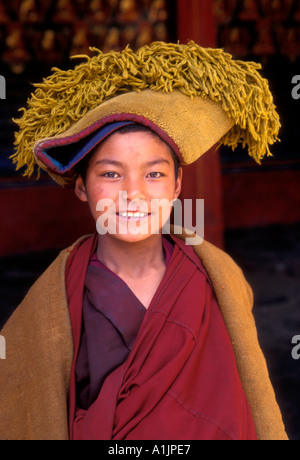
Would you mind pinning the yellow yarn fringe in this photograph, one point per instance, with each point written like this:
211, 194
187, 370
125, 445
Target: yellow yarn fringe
65, 96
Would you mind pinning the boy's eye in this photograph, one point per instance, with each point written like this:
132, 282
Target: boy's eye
154, 175
111, 175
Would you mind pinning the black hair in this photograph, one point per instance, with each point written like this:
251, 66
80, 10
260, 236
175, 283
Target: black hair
82, 166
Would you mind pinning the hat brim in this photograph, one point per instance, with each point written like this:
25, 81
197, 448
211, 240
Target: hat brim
191, 126
61, 156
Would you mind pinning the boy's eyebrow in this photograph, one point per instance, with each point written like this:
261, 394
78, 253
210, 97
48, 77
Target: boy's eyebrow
119, 163
109, 161
157, 161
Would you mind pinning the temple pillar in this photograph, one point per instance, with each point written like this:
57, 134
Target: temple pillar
202, 179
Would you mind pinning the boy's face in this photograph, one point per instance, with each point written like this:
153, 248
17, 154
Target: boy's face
130, 185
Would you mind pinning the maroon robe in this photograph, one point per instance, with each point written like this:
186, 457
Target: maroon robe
179, 380
112, 316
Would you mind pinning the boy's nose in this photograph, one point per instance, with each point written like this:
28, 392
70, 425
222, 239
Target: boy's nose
135, 190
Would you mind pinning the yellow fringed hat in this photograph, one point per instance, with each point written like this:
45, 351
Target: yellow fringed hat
192, 97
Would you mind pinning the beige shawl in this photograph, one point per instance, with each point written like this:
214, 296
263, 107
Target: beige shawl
34, 377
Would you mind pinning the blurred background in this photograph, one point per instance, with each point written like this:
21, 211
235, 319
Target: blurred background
251, 211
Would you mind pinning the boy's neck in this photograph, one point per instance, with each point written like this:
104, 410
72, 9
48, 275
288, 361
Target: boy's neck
133, 260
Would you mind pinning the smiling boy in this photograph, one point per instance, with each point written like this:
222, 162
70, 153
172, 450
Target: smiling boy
143, 272
132, 333
138, 166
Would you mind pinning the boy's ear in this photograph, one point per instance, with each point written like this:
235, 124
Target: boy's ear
178, 182
80, 189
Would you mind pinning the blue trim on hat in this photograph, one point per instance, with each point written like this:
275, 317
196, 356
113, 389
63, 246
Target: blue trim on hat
57, 166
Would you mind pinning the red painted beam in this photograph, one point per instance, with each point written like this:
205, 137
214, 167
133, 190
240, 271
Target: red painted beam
41, 217
195, 21
254, 199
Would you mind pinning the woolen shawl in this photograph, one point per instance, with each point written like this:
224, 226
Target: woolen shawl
35, 376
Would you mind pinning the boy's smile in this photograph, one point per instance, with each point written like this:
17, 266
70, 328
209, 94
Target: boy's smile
130, 182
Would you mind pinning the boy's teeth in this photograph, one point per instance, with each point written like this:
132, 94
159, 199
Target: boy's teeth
132, 214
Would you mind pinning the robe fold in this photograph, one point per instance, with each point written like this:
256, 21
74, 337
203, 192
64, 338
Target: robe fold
42, 336
111, 318
180, 379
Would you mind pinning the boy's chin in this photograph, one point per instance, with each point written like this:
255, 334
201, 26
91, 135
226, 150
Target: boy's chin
130, 238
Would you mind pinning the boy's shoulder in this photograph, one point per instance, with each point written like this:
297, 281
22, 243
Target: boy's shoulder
226, 276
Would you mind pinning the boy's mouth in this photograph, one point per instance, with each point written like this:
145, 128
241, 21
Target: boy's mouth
133, 214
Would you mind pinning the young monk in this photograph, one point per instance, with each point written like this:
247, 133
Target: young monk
141, 164
132, 333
